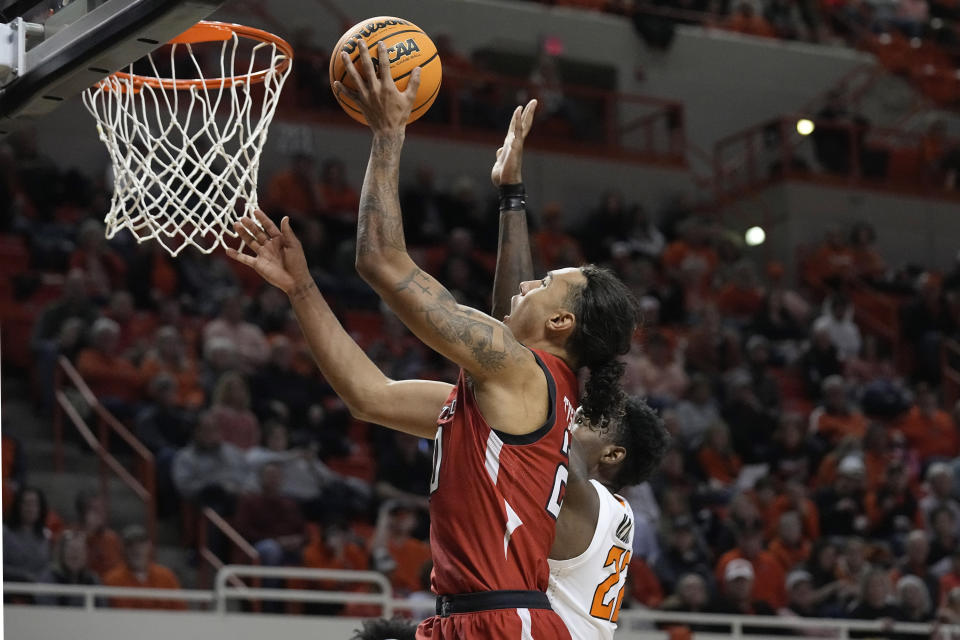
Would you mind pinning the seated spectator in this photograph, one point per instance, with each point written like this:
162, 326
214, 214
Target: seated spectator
801, 597
929, 429
219, 357
831, 594
793, 454
867, 262
892, 509
321, 492
395, 551
334, 549
832, 262
272, 522
170, 356
113, 379
71, 568
684, 554
104, 268
951, 579
231, 411
739, 594
279, 382
745, 20
949, 611
104, 550
944, 540
759, 366
819, 361
712, 349
766, 575
26, 539
873, 602
247, 338
656, 372
913, 600
793, 498
717, 458
836, 418
425, 224
697, 412
135, 326
782, 316
163, 427
753, 422
841, 505
138, 571
837, 320
923, 322
209, 471
552, 246
871, 365
916, 563
742, 297
790, 547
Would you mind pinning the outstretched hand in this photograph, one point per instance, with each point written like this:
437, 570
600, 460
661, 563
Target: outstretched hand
506, 170
278, 256
385, 107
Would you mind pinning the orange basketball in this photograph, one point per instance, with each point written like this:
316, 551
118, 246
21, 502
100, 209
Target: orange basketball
408, 47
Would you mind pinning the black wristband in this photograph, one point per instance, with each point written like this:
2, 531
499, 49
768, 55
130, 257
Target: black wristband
517, 189
513, 197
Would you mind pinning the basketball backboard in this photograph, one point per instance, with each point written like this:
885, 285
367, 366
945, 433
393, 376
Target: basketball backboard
51, 50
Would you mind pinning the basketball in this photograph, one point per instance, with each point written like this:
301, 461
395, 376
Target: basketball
408, 48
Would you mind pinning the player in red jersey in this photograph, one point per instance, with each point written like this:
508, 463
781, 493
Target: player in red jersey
503, 438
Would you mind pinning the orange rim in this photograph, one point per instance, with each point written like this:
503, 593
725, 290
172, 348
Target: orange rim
208, 31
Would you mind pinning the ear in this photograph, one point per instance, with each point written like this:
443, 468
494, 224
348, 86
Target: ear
560, 322
612, 454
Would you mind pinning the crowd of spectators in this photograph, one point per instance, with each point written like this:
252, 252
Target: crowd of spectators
813, 470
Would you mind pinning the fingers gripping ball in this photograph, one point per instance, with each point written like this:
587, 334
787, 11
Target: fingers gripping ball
408, 47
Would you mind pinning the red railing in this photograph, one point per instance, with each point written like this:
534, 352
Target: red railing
874, 157
606, 124
143, 484
237, 545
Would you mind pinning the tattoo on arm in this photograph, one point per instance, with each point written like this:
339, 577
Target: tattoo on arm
380, 224
302, 290
459, 325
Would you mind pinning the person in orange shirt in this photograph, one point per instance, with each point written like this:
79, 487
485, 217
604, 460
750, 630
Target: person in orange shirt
104, 547
333, 549
395, 551
741, 298
170, 356
831, 263
768, 584
113, 379
928, 428
835, 418
790, 548
867, 262
691, 259
138, 571
717, 458
893, 509
794, 499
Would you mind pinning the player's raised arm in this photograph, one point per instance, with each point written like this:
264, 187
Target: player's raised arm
481, 345
514, 262
409, 405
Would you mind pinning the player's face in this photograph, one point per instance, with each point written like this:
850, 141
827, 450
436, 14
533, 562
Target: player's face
539, 300
591, 439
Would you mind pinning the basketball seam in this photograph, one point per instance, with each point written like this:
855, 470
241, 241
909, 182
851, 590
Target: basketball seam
422, 104
370, 45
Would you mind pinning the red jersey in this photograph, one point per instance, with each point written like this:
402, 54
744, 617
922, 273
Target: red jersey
495, 497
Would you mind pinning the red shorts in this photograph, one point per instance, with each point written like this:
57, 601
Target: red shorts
495, 624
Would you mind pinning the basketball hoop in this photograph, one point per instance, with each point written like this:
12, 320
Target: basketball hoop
186, 151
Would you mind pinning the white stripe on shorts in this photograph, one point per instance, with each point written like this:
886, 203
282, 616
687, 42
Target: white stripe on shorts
525, 624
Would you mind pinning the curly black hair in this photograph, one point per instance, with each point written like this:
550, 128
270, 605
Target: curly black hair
607, 315
642, 433
383, 629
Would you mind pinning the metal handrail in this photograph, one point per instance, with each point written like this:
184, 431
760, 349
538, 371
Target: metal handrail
220, 593
234, 571
145, 487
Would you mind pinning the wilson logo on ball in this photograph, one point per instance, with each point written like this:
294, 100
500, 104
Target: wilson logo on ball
369, 29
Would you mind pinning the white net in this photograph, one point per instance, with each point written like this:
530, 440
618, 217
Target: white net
186, 150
